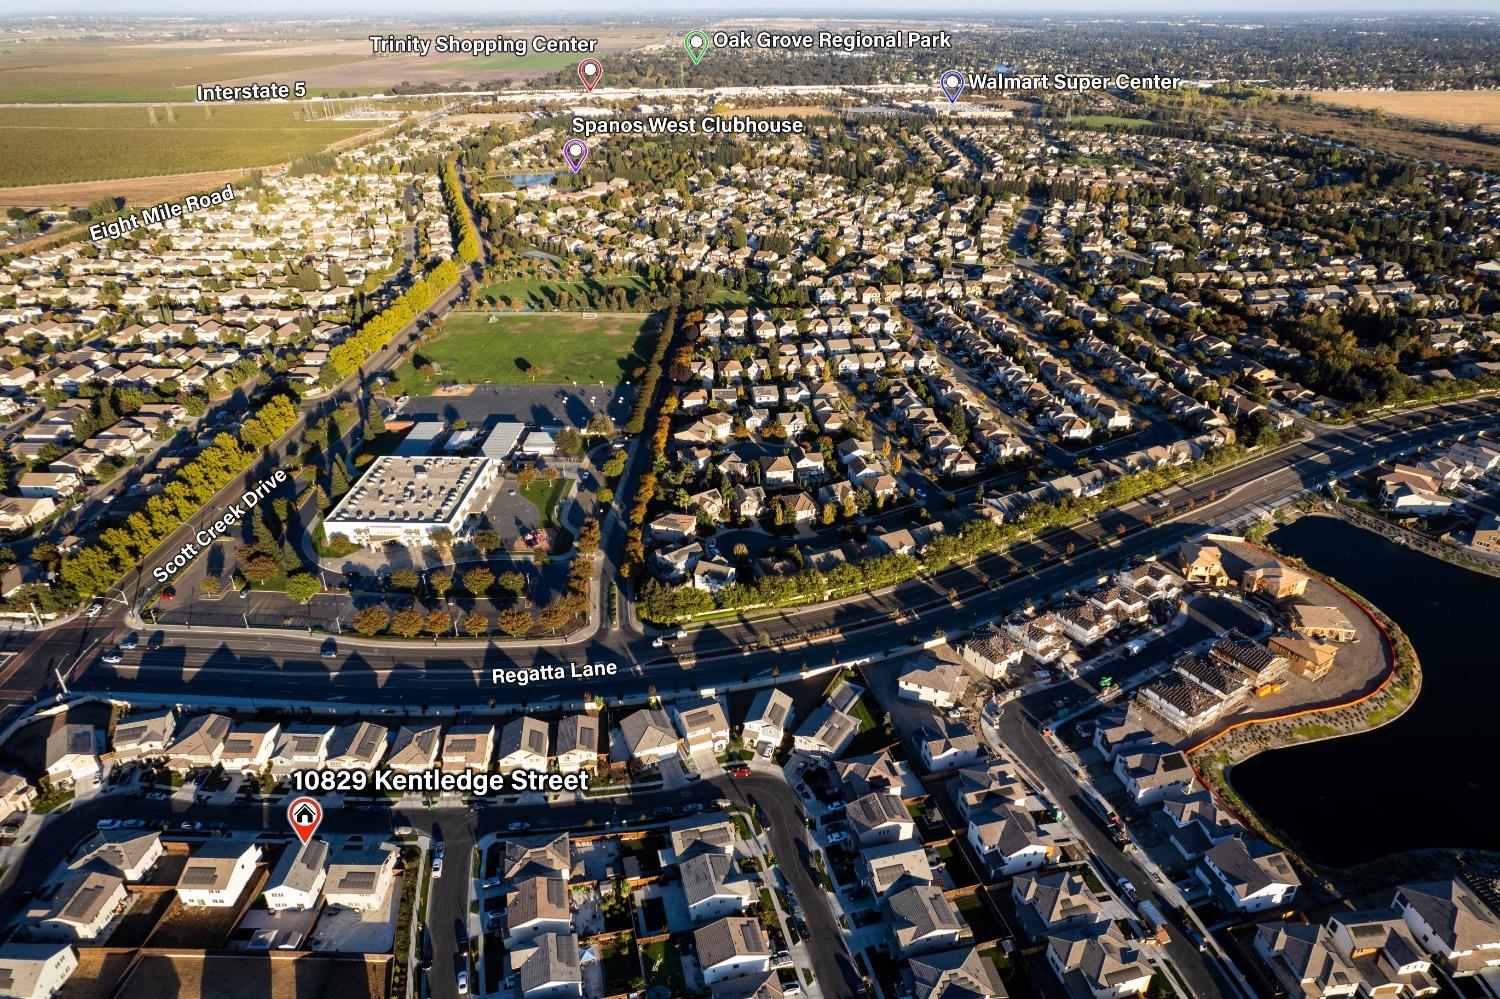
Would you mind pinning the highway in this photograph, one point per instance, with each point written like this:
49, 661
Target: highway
282, 666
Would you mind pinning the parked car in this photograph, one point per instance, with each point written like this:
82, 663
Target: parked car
463, 983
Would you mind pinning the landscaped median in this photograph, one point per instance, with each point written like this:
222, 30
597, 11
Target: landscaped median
977, 537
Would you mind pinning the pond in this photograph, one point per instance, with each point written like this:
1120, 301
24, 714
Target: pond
1432, 777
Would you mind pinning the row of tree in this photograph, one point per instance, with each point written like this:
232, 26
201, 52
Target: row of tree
467, 238
119, 549
378, 330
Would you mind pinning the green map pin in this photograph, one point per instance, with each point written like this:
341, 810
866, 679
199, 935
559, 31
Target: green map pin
697, 44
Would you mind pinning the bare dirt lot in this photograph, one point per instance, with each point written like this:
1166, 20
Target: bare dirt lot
1463, 107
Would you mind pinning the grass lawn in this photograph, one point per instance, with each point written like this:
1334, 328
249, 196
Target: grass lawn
670, 971
859, 711
548, 349
542, 293
546, 496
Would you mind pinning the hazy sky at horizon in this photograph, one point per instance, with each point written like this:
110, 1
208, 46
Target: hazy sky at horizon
429, 9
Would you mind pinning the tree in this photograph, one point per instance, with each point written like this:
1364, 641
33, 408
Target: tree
513, 583
371, 620
606, 495
407, 623
303, 586
588, 537
476, 624
569, 443
405, 579
442, 540
440, 583
260, 568
554, 617
525, 476
487, 541
600, 425
615, 466
478, 580
374, 420
516, 622
436, 623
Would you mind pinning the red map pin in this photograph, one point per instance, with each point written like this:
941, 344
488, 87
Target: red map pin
304, 814
590, 72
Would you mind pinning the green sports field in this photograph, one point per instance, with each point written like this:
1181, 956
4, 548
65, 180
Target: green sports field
555, 348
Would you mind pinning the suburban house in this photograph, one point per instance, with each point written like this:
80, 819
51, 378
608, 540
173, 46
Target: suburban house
1305, 961
523, 745
143, 736
82, 907
1452, 924
649, 735
713, 887
361, 877
36, 970
578, 743
537, 905
71, 752
1100, 960
1249, 874
939, 684
731, 947
200, 743
130, 853
703, 724
415, 749
922, 920
826, 732
547, 967
217, 873
769, 717
297, 880
962, 973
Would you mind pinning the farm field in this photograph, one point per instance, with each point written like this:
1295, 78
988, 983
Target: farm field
73, 70
64, 145
1339, 126
546, 348
1462, 108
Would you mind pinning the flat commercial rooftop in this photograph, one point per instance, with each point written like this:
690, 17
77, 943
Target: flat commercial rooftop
413, 489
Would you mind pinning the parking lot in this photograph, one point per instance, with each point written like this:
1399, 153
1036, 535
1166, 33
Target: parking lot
564, 405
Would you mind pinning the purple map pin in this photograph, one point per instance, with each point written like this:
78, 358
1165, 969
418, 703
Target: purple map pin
575, 151
952, 83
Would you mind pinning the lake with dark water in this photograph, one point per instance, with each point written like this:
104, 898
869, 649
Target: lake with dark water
1431, 778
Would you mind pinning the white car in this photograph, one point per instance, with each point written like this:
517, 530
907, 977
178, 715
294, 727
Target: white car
112, 658
463, 983
94, 610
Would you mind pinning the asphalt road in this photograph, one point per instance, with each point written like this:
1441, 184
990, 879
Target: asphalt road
239, 664
779, 813
1204, 975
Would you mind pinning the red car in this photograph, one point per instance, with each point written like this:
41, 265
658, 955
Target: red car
740, 772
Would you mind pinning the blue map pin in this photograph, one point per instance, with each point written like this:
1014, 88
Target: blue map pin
952, 83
